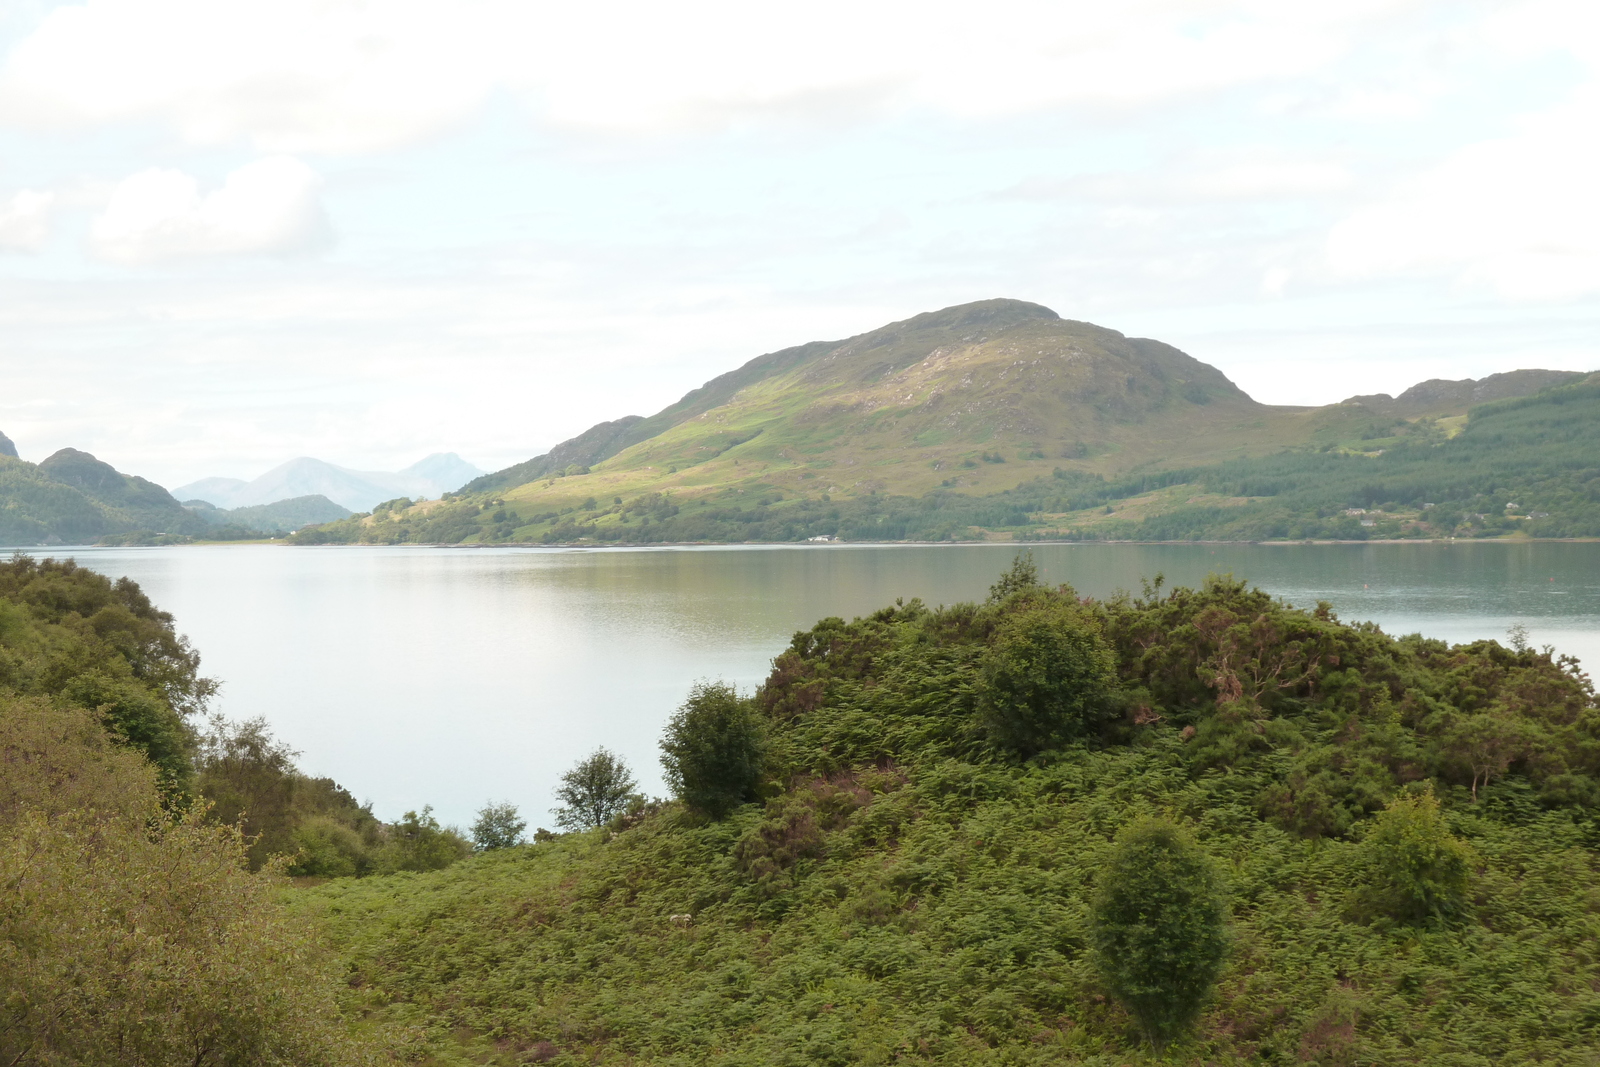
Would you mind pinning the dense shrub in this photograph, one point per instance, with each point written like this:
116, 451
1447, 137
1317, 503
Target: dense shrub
1047, 678
1416, 870
1159, 927
130, 935
714, 750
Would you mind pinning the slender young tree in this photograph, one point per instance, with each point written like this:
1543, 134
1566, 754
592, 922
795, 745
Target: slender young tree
1159, 927
594, 791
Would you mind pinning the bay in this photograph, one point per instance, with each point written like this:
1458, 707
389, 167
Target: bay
451, 677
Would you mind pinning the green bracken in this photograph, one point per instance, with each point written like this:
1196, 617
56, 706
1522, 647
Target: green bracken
903, 889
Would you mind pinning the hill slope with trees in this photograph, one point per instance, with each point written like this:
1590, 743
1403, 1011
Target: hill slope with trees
1041, 830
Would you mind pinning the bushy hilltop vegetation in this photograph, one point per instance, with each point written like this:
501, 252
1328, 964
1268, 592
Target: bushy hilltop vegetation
960, 814
998, 419
1527, 466
1195, 826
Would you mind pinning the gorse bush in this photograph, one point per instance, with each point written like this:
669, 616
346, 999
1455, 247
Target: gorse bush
1159, 927
714, 751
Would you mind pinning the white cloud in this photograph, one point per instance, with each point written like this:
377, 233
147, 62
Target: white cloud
268, 206
348, 76
25, 221
1518, 214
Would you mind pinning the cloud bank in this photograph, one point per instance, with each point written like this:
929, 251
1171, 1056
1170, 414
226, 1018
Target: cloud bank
269, 206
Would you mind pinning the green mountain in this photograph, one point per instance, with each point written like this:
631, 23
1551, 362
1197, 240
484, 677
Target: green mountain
993, 419
74, 498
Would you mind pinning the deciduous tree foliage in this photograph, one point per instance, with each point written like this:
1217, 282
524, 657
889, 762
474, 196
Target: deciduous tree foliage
76, 636
497, 826
129, 935
714, 750
594, 791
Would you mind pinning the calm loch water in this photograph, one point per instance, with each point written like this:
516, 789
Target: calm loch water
454, 676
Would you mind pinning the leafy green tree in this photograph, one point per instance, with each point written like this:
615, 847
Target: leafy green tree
1047, 678
1417, 871
594, 791
714, 751
497, 826
251, 780
418, 843
1023, 576
1159, 927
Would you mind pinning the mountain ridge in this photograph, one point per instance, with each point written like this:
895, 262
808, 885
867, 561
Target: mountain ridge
958, 409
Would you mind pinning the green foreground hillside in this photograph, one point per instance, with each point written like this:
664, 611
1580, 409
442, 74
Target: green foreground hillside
912, 877
936, 822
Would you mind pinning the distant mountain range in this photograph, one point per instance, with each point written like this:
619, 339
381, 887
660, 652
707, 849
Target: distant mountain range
74, 498
996, 418
355, 490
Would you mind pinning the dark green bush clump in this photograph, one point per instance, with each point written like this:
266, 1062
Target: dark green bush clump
714, 751
1159, 927
1047, 678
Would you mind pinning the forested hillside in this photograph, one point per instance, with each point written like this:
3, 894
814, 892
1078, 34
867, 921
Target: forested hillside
73, 498
920, 841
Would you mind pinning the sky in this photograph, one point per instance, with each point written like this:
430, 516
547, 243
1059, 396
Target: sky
234, 232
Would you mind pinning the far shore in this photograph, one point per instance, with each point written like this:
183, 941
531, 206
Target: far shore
830, 544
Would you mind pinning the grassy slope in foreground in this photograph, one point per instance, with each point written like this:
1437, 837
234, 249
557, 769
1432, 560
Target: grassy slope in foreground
909, 894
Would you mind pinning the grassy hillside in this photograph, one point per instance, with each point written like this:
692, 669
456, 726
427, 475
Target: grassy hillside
988, 419
1457, 476
914, 880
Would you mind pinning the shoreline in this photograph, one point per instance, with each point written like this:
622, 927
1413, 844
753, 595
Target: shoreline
825, 545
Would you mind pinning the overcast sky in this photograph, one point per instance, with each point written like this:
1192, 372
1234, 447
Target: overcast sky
233, 232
